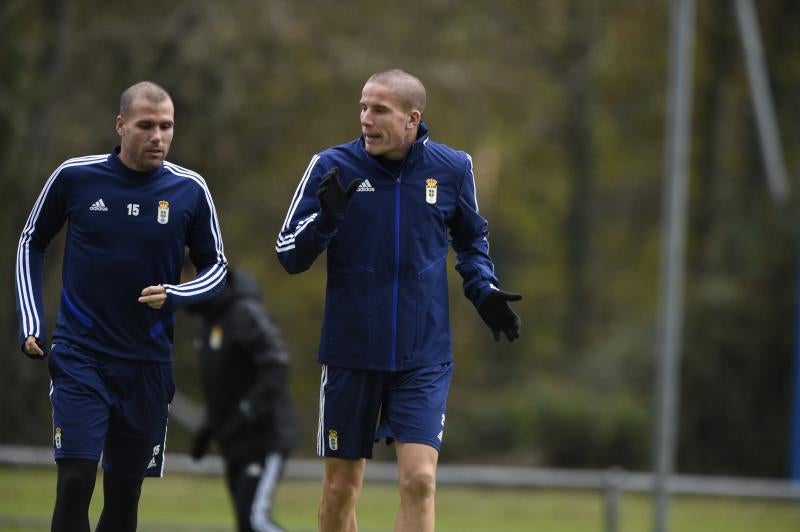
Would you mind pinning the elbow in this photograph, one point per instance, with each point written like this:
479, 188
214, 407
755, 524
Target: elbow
291, 265
221, 285
294, 269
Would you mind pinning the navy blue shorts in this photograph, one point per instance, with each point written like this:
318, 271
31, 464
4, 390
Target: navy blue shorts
115, 408
360, 407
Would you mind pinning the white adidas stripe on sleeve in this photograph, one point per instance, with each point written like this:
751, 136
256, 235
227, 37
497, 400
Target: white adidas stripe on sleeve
31, 324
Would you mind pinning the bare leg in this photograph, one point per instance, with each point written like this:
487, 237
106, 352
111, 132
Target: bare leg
416, 466
341, 486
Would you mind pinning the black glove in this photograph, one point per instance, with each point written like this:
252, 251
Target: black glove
201, 442
497, 314
333, 199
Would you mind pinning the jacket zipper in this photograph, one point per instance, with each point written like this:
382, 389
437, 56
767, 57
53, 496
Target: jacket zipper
395, 287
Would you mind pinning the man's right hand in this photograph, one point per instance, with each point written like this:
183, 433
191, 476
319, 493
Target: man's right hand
32, 348
333, 198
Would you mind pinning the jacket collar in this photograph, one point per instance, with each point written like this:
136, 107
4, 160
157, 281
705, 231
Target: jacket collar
129, 173
418, 147
414, 153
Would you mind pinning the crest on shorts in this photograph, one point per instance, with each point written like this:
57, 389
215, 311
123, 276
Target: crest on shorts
431, 187
57, 438
333, 440
163, 212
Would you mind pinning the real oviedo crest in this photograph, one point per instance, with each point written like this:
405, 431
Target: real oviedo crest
430, 190
163, 212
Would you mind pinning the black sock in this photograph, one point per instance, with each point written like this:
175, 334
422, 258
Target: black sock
121, 503
74, 489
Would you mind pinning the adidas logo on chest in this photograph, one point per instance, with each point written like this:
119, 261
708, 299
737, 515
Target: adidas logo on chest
99, 205
365, 186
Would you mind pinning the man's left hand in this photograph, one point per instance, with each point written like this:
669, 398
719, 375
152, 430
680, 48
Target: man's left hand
33, 348
499, 316
154, 296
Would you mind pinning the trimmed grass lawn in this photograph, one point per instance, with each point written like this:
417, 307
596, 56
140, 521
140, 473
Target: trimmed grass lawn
181, 502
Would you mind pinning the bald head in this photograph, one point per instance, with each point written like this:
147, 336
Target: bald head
152, 92
409, 89
145, 125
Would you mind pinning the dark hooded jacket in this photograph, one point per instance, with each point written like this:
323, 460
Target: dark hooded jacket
244, 368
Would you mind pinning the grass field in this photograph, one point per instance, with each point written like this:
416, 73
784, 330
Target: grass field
199, 503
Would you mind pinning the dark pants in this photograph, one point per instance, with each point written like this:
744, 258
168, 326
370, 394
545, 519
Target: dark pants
252, 484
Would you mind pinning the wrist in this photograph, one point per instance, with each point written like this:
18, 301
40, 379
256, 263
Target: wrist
327, 223
483, 294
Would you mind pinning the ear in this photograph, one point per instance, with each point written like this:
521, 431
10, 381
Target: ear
119, 125
414, 118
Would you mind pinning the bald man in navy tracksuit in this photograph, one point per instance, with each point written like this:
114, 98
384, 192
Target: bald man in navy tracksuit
130, 215
387, 207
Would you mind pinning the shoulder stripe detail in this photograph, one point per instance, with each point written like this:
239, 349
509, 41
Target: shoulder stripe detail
298, 193
37, 206
215, 230
31, 325
474, 187
216, 273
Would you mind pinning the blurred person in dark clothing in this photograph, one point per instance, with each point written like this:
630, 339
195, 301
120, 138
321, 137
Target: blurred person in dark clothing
244, 369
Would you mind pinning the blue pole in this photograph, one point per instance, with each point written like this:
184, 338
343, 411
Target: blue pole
794, 449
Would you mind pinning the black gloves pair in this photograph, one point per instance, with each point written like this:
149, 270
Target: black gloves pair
333, 199
499, 316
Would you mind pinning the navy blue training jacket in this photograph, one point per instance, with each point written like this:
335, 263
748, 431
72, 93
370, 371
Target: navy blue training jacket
127, 230
386, 303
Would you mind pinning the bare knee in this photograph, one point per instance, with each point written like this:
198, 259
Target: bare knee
337, 507
342, 482
342, 489
418, 485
